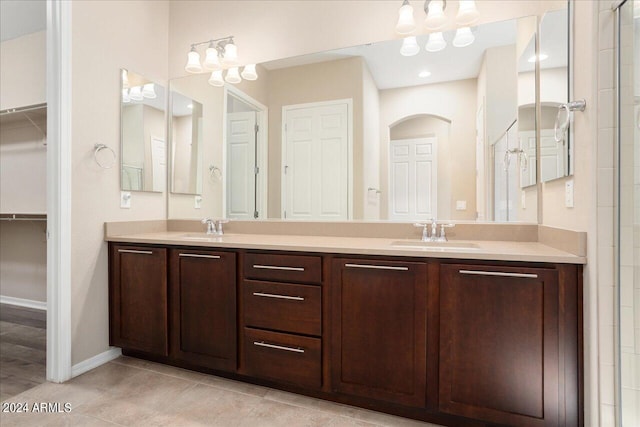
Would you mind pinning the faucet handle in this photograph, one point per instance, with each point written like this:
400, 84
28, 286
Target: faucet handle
219, 223
443, 237
206, 220
425, 230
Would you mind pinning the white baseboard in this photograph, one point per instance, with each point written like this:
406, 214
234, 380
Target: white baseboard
95, 361
21, 302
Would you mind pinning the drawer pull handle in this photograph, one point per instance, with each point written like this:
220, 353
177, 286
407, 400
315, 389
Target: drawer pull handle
262, 294
377, 267
275, 267
278, 347
499, 273
200, 256
131, 251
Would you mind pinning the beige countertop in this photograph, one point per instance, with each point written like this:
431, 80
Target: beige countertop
458, 249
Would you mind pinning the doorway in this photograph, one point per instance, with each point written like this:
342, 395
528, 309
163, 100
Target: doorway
246, 156
316, 154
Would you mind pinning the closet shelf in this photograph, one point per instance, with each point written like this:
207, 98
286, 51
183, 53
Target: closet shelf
34, 114
23, 217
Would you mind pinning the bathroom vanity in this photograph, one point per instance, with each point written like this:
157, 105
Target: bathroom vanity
486, 336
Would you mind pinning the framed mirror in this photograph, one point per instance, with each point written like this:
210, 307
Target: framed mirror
367, 133
556, 157
142, 134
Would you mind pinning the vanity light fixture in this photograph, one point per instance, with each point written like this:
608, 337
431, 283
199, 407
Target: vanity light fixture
436, 42
220, 54
406, 22
409, 46
464, 37
467, 13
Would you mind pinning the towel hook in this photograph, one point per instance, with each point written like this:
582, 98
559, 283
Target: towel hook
100, 147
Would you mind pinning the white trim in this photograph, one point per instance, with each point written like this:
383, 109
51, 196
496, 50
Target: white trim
283, 150
21, 302
59, 84
262, 119
95, 361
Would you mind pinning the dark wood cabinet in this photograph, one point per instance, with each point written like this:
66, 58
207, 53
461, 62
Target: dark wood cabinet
203, 308
500, 353
138, 298
379, 330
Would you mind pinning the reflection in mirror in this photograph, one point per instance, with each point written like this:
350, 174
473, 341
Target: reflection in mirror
366, 133
186, 144
556, 157
142, 133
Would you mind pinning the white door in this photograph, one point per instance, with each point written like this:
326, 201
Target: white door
316, 162
528, 144
414, 176
241, 165
159, 164
552, 156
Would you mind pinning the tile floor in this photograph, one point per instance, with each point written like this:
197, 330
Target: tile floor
134, 392
23, 344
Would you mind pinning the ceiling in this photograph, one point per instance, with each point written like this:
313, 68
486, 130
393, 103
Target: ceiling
21, 17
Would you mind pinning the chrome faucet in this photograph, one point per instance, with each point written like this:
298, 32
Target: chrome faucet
214, 227
211, 226
434, 231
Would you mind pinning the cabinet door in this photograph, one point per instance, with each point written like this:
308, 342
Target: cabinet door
499, 344
138, 298
203, 308
379, 330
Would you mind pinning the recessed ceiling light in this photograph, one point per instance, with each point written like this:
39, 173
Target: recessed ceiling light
424, 74
543, 56
190, 106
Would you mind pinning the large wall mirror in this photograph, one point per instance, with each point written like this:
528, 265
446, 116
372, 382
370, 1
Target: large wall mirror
142, 134
367, 133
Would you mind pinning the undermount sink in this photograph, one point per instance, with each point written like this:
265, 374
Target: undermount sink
436, 246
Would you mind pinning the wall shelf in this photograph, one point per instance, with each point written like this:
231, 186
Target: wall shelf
23, 217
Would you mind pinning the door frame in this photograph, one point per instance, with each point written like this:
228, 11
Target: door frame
283, 149
262, 140
59, 135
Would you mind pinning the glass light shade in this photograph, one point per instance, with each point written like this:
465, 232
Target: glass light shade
216, 79
211, 61
125, 79
406, 22
409, 46
149, 91
125, 96
193, 62
436, 42
230, 54
464, 37
467, 13
249, 72
233, 76
435, 17
136, 94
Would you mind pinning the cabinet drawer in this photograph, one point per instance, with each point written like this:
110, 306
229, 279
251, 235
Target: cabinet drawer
283, 357
283, 268
284, 307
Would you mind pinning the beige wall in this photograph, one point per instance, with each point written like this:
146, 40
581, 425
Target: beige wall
23, 79
181, 134
370, 145
106, 36
454, 102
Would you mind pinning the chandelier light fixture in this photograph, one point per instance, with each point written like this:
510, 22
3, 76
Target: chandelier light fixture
435, 20
221, 56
